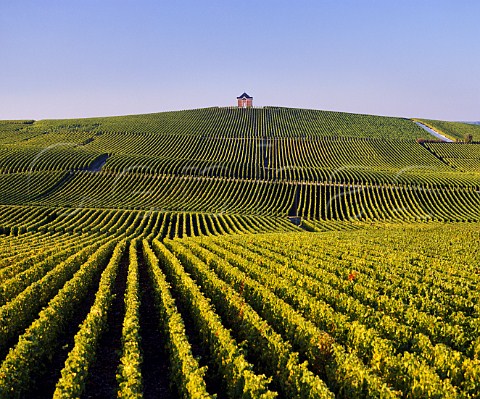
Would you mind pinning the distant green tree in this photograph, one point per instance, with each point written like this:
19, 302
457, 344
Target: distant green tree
468, 138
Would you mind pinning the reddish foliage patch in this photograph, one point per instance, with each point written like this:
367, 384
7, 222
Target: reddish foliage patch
352, 276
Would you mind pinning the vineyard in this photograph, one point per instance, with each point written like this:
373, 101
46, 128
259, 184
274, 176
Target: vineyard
239, 253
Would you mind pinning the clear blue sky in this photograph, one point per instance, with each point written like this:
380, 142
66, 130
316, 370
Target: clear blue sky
81, 58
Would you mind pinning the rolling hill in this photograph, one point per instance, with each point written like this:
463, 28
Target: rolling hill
285, 162
241, 253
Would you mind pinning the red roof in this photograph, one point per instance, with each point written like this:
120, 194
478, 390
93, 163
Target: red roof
245, 96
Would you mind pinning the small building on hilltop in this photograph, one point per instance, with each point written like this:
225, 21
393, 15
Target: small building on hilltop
245, 101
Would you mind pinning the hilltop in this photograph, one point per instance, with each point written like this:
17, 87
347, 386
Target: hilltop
234, 122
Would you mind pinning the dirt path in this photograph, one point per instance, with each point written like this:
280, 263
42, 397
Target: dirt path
434, 132
102, 381
155, 372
